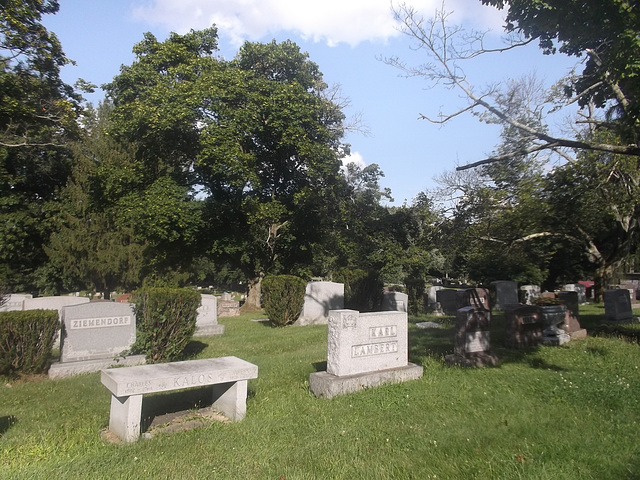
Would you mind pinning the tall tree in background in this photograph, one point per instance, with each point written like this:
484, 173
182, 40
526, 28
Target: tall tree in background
271, 161
38, 115
257, 134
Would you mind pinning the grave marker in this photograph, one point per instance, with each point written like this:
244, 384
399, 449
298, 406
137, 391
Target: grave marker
207, 320
94, 336
506, 293
319, 299
364, 350
472, 343
617, 306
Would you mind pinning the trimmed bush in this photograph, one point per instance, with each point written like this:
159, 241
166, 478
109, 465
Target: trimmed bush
415, 291
165, 321
363, 291
26, 340
283, 298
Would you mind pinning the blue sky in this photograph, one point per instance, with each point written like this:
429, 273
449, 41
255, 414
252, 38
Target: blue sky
346, 38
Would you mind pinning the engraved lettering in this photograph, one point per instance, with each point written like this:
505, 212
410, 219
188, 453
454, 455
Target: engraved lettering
383, 332
373, 349
101, 322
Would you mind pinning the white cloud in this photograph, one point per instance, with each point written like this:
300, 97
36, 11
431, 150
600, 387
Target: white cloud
356, 158
328, 21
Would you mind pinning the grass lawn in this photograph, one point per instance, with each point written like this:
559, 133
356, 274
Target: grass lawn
548, 413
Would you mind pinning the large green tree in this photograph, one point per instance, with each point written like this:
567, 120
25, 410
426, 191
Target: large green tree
256, 134
38, 115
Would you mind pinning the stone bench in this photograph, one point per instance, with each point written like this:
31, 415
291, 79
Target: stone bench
227, 375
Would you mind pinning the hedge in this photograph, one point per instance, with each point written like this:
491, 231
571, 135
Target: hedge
26, 340
283, 298
165, 321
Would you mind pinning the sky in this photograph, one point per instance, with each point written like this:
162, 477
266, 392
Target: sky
347, 39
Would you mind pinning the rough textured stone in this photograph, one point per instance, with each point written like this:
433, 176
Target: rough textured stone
207, 320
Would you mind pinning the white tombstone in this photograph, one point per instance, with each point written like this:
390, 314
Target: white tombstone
364, 350
319, 299
529, 293
15, 302
207, 320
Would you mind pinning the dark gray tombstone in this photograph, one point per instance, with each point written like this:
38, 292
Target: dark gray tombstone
447, 300
506, 293
617, 305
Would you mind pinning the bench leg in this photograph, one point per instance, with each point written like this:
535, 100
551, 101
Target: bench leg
125, 417
230, 399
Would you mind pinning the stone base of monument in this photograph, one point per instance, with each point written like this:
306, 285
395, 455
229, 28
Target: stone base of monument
554, 340
208, 330
327, 385
69, 369
476, 359
581, 333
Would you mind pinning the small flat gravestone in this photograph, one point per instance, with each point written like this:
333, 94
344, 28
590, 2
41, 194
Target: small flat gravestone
472, 341
95, 335
364, 350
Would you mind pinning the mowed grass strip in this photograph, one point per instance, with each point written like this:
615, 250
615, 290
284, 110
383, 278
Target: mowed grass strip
550, 412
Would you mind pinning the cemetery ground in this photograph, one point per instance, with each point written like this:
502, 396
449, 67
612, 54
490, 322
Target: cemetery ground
571, 411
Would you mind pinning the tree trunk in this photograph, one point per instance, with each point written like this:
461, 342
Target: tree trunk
252, 303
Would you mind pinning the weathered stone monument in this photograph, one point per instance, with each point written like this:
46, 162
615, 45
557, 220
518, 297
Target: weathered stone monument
394, 302
319, 299
95, 335
364, 350
227, 306
472, 345
523, 327
571, 324
617, 306
505, 293
207, 320
528, 293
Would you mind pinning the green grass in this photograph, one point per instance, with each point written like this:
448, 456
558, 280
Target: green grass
546, 413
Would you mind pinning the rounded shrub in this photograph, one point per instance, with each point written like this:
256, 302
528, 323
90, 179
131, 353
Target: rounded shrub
26, 340
283, 298
165, 321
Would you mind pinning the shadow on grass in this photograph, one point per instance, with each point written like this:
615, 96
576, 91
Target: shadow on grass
320, 366
161, 407
193, 349
6, 423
